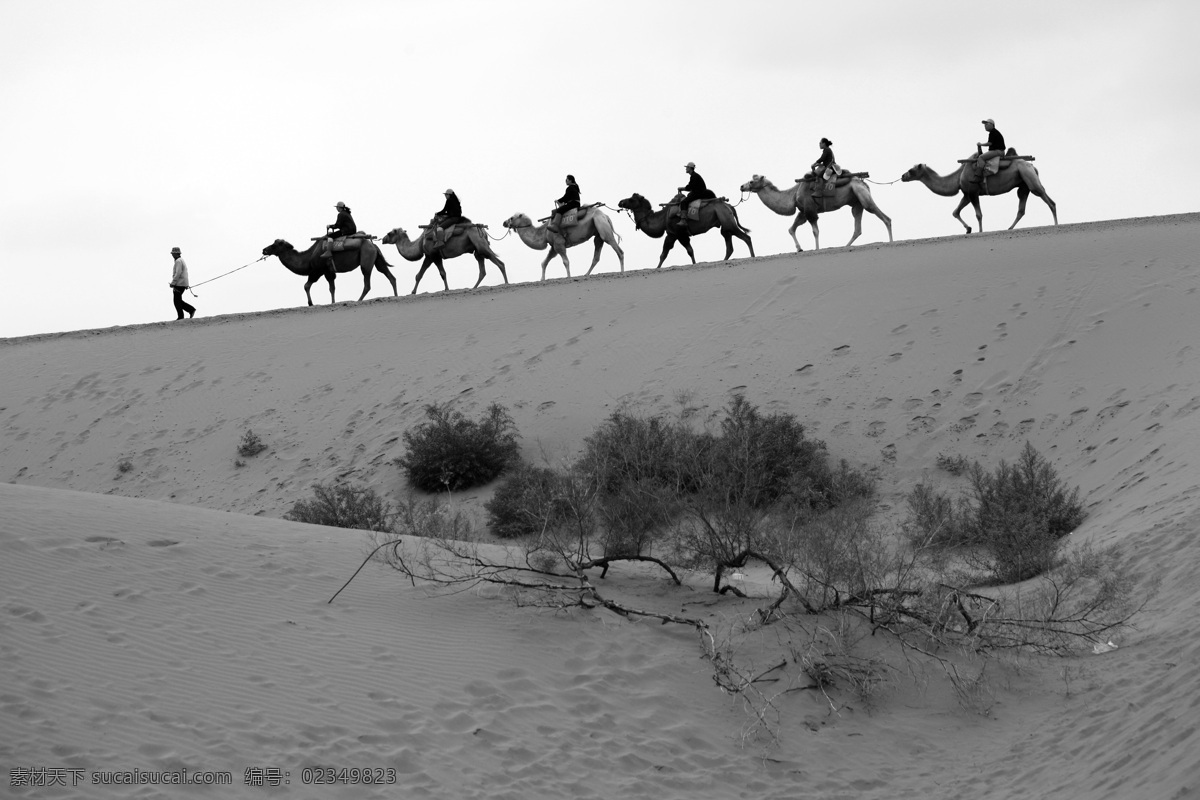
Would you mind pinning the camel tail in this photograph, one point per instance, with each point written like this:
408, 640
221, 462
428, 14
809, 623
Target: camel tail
380, 261
605, 227
738, 221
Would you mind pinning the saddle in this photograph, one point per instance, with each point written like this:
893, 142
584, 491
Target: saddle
430, 236
352, 242
572, 216
693, 209
820, 187
990, 167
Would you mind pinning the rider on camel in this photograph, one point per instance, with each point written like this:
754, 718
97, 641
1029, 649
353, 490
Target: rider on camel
995, 149
450, 215
824, 168
344, 226
696, 190
564, 205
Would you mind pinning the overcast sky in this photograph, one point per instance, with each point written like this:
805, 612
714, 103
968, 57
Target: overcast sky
132, 127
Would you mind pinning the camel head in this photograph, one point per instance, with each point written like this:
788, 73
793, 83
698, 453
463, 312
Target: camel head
755, 183
634, 202
915, 173
518, 220
277, 248
394, 236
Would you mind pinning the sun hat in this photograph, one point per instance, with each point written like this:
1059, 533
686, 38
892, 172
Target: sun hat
448, 191
340, 204
175, 251
989, 121
691, 164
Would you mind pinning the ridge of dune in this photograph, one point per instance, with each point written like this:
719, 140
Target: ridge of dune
191, 636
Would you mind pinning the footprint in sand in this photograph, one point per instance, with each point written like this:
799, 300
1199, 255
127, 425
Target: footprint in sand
973, 399
841, 350
1024, 426
1191, 406
912, 403
840, 428
931, 312
876, 428
546, 406
805, 368
882, 402
899, 329
920, 424
894, 357
964, 424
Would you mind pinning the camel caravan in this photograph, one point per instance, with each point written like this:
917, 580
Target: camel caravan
693, 211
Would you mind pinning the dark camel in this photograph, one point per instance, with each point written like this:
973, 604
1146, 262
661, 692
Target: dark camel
467, 239
799, 200
717, 214
1017, 174
313, 266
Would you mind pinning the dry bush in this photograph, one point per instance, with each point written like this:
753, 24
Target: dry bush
450, 452
250, 445
1011, 520
344, 506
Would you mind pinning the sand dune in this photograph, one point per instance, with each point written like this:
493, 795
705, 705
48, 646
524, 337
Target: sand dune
146, 627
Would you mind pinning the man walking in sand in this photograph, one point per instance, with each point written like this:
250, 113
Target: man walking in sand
179, 282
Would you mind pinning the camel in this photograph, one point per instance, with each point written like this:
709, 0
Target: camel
712, 215
592, 224
314, 266
799, 200
467, 239
1018, 174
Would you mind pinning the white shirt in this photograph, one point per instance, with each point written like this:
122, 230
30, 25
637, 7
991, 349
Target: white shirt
180, 277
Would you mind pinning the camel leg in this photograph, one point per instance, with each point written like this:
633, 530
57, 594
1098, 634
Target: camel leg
366, 273
958, 211
687, 245
1040, 191
421, 273
728, 236
857, 212
745, 237
482, 269
562, 253
546, 261
331, 277
816, 233
792, 231
595, 257
308, 286
868, 204
1022, 197
978, 212
387, 273
620, 253
667, 245
442, 271
495, 260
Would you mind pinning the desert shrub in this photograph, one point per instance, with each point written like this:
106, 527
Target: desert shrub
955, 465
124, 465
450, 452
936, 519
755, 480
637, 466
1013, 517
250, 445
344, 506
528, 501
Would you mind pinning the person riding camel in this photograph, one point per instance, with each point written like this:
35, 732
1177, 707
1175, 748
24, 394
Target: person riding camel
995, 149
342, 227
448, 217
564, 205
696, 189
824, 168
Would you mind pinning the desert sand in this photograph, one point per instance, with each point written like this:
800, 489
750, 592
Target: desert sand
165, 617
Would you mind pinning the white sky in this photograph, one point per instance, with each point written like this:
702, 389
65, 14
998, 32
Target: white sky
131, 127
